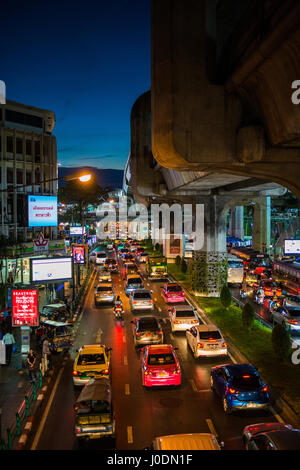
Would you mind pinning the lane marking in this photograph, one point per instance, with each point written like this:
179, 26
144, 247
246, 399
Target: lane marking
46, 412
276, 415
211, 427
127, 389
193, 385
129, 435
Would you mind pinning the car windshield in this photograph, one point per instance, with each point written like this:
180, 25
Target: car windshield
94, 406
53, 310
142, 295
104, 289
294, 312
133, 281
246, 382
206, 335
161, 359
102, 254
185, 313
148, 324
91, 359
174, 289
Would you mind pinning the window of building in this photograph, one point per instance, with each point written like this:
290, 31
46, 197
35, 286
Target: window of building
28, 147
28, 177
37, 176
19, 145
19, 176
21, 118
9, 175
9, 144
37, 151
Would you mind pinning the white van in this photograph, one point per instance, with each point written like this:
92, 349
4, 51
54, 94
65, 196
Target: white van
235, 270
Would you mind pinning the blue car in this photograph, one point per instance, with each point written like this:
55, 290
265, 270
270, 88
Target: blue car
240, 387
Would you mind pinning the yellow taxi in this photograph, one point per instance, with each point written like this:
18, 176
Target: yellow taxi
92, 361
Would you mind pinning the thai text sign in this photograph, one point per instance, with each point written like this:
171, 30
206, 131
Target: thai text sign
42, 211
25, 310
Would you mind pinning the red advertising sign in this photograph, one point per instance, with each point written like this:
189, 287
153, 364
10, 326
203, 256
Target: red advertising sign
78, 254
25, 310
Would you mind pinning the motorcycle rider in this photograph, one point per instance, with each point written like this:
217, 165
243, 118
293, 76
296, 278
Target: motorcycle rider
118, 303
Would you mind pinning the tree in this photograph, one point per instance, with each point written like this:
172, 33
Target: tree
281, 342
183, 266
177, 260
248, 316
225, 297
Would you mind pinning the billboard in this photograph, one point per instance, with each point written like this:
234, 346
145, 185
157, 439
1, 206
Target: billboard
77, 230
78, 254
25, 310
50, 269
42, 211
292, 247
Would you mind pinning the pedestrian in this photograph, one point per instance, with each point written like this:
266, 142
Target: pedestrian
32, 365
47, 353
9, 341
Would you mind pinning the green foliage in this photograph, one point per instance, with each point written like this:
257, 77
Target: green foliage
183, 266
225, 296
248, 316
281, 342
177, 260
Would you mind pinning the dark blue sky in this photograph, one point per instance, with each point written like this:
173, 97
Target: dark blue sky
87, 61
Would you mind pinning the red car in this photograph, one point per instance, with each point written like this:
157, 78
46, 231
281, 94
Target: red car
172, 293
270, 288
160, 366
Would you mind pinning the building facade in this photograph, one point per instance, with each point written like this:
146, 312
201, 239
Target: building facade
28, 156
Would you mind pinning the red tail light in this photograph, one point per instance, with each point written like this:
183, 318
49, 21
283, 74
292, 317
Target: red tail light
293, 322
148, 372
75, 372
106, 371
224, 345
232, 390
200, 346
265, 389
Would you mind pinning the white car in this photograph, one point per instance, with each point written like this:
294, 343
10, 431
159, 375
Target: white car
104, 276
100, 257
206, 340
182, 317
141, 300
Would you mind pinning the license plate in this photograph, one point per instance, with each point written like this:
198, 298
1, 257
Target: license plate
95, 435
251, 405
162, 374
59, 349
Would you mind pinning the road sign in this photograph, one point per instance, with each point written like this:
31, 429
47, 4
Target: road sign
25, 307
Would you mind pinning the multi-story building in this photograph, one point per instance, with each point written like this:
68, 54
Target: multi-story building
27, 157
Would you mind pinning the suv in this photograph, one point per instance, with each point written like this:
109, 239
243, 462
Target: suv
147, 330
104, 293
100, 257
141, 300
92, 360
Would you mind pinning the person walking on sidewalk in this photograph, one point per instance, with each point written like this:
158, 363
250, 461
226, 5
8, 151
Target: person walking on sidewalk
47, 353
32, 365
9, 341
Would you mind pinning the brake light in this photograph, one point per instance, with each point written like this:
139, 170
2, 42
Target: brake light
148, 372
177, 371
211, 340
200, 346
224, 345
293, 322
138, 333
265, 389
232, 390
159, 332
75, 372
134, 301
106, 371
194, 321
177, 322
246, 376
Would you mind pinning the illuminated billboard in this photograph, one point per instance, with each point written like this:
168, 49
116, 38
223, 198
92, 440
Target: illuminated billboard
42, 211
50, 269
25, 307
77, 230
78, 254
292, 247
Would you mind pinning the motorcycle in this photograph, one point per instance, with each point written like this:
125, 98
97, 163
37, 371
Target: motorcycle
118, 311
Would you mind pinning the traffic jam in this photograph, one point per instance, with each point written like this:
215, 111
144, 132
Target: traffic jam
175, 349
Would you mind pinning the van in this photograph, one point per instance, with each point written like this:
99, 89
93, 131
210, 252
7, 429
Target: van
194, 441
235, 270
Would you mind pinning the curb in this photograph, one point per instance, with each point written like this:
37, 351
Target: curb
279, 404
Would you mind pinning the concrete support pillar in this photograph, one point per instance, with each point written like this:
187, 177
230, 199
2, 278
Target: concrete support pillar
209, 269
236, 228
262, 224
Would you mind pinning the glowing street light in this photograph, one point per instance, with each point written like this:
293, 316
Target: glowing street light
85, 178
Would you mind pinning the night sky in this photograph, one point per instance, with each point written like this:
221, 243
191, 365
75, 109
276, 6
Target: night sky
88, 61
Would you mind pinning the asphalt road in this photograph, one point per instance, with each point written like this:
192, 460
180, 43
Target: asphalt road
140, 414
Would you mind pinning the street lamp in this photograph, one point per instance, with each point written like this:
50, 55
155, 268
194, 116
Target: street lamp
83, 178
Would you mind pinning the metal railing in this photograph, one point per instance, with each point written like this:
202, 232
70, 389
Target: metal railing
15, 429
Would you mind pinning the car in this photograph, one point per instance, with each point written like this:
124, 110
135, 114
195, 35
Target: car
110, 246
139, 250
172, 293
141, 299
147, 330
127, 258
104, 293
182, 317
92, 360
292, 300
111, 265
143, 257
104, 276
240, 387
260, 436
190, 441
288, 316
133, 282
94, 415
93, 257
129, 268
100, 257
270, 288
54, 312
160, 366
206, 341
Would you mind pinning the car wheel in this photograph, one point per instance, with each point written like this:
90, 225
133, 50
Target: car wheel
226, 407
